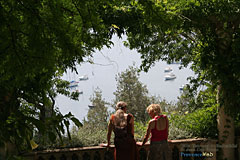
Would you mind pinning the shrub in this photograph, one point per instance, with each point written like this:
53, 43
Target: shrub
200, 123
178, 133
93, 136
90, 136
140, 129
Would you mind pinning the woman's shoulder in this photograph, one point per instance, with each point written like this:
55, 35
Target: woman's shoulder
112, 117
151, 121
130, 115
163, 116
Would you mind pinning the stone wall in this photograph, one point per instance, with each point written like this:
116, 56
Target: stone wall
186, 149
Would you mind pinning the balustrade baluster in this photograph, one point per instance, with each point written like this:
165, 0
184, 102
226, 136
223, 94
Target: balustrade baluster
86, 156
74, 157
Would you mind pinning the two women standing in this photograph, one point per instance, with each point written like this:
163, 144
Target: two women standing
122, 124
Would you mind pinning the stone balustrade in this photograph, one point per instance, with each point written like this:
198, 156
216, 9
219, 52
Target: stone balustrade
186, 149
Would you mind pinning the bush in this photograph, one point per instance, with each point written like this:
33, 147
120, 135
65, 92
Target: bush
140, 129
90, 136
178, 133
200, 123
86, 135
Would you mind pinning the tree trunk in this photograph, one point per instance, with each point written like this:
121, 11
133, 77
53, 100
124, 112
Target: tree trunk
226, 131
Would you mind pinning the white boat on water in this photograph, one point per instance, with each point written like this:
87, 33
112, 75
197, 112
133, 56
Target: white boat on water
175, 62
181, 87
79, 91
83, 78
91, 106
170, 76
168, 69
73, 84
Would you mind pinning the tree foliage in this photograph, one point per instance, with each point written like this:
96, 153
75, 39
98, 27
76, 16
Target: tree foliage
98, 114
39, 41
132, 91
189, 101
200, 123
203, 33
135, 93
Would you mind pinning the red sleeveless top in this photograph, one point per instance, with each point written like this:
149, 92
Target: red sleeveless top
159, 135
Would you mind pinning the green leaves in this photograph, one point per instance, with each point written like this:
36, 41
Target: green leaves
98, 113
200, 123
39, 41
42, 39
200, 33
76, 122
134, 93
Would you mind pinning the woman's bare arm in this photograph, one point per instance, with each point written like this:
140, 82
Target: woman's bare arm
110, 128
167, 125
150, 124
132, 124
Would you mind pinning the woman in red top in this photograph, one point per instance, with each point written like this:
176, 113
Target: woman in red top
158, 127
122, 124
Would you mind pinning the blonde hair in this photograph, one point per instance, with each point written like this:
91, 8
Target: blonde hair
155, 108
119, 115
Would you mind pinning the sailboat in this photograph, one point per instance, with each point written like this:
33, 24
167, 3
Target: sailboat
168, 69
170, 76
73, 84
83, 78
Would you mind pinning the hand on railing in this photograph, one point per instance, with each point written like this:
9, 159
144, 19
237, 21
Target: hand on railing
139, 144
104, 145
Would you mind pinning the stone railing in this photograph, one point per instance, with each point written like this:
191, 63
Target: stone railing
186, 149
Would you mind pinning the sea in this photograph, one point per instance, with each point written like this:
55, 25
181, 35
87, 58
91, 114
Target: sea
102, 68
